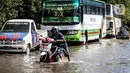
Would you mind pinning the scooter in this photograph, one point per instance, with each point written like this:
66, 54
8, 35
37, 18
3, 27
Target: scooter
49, 52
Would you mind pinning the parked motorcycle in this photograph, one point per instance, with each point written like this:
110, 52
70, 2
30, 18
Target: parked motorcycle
49, 52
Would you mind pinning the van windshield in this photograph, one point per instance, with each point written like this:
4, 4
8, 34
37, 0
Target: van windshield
16, 27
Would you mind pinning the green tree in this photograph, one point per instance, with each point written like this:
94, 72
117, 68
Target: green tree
8, 9
27, 9
31, 9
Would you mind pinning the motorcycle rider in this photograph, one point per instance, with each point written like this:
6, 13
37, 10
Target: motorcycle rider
60, 41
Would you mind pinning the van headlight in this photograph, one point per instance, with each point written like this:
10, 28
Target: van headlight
21, 42
72, 32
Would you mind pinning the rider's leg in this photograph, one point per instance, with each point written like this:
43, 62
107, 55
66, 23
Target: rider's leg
68, 58
61, 57
66, 53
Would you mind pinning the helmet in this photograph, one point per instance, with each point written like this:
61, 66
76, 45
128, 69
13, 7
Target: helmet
54, 30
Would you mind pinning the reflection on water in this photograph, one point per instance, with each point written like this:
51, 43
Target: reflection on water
105, 56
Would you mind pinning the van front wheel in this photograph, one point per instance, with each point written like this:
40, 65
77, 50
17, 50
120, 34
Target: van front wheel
27, 49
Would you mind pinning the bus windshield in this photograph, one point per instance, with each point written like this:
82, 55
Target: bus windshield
60, 12
16, 27
108, 9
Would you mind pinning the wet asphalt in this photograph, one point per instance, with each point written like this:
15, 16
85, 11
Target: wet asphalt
104, 56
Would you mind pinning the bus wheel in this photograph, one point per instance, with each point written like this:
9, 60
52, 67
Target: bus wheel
100, 34
83, 42
116, 32
86, 37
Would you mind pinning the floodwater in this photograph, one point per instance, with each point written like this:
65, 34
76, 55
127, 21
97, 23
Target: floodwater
105, 56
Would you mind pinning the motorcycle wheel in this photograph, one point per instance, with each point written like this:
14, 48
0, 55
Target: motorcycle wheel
55, 58
43, 58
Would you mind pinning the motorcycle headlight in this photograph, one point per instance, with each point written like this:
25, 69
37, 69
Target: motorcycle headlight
43, 53
72, 32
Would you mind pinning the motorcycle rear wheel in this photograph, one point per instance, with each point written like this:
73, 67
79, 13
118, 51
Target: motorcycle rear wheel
55, 58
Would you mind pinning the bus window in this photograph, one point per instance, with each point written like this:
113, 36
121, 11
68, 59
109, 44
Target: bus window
108, 11
88, 10
85, 9
96, 11
101, 11
93, 10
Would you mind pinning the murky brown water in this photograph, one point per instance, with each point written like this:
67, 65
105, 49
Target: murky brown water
106, 56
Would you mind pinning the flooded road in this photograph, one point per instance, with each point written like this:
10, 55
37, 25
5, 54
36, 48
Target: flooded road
105, 56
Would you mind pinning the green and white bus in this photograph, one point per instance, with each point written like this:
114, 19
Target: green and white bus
78, 20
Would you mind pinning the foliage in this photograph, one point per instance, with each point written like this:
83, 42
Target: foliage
31, 9
10, 9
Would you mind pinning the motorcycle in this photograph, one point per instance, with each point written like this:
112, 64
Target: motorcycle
49, 52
